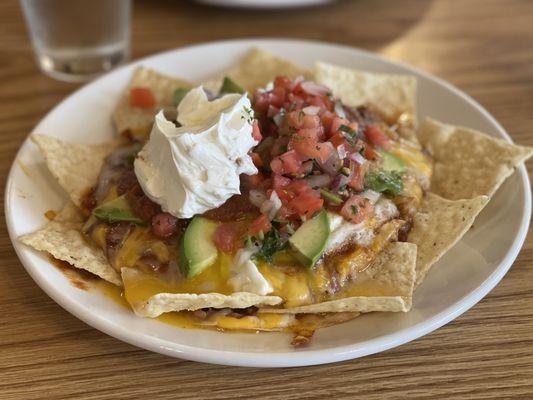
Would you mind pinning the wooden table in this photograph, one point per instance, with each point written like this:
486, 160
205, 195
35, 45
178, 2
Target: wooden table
482, 46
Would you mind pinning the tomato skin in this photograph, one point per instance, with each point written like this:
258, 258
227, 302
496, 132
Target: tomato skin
356, 209
141, 97
306, 143
336, 124
338, 139
311, 122
306, 204
358, 178
228, 236
279, 181
260, 224
376, 136
327, 118
287, 163
369, 152
256, 131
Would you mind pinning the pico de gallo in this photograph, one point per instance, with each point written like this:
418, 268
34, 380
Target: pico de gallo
319, 161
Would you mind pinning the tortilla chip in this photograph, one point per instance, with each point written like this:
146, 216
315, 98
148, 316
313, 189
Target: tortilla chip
468, 163
388, 285
127, 118
392, 95
62, 238
438, 226
159, 303
255, 70
76, 166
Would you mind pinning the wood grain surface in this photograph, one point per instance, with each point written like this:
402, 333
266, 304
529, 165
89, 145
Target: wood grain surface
482, 46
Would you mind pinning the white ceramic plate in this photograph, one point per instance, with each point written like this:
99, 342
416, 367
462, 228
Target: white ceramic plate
466, 274
264, 3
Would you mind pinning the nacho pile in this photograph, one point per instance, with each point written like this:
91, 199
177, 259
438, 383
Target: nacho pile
347, 206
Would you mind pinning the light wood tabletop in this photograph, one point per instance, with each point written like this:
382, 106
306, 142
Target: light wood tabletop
484, 47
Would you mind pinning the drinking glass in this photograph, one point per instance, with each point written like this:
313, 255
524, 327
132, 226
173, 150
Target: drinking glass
75, 40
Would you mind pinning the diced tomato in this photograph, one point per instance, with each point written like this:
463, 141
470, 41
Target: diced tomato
141, 97
260, 224
261, 102
357, 181
377, 137
256, 132
306, 204
287, 163
336, 124
283, 82
279, 181
286, 213
256, 158
327, 119
321, 101
277, 96
356, 209
369, 153
311, 122
306, 143
338, 139
299, 186
228, 236
295, 119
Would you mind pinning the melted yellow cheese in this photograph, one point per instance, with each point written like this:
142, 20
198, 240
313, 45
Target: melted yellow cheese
413, 157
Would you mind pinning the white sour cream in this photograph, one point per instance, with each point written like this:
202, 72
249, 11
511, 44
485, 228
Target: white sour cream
245, 277
195, 168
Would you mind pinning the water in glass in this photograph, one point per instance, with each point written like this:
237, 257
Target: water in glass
76, 40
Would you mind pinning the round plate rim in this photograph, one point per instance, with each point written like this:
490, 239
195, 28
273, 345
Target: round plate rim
284, 359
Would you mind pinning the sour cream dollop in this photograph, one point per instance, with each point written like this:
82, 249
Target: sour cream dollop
195, 168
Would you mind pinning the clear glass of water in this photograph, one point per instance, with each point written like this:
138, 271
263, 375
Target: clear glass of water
76, 40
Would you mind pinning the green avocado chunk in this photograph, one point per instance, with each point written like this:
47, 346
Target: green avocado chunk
229, 86
390, 162
178, 95
311, 238
197, 250
116, 210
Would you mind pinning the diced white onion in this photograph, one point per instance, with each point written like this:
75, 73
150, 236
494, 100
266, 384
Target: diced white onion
257, 197
278, 118
358, 158
371, 195
314, 89
339, 110
341, 151
311, 110
317, 181
271, 206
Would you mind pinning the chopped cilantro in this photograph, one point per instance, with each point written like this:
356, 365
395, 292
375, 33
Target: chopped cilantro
350, 131
249, 115
271, 244
355, 210
384, 181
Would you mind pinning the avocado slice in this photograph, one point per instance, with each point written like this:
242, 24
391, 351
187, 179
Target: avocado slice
390, 162
116, 210
178, 95
229, 86
311, 238
197, 250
